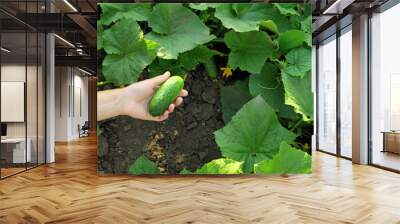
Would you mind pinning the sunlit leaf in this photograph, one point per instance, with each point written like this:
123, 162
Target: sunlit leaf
176, 29
289, 160
298, 93
128, 52
112, 12
253, 134
221, 166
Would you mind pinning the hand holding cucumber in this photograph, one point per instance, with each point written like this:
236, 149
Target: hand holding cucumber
152, 99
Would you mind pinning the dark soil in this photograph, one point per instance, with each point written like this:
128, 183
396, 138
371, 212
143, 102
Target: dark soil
184, 141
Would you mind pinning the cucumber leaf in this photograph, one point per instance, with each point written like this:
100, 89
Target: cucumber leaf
289, 160
203, 6
269, 25
243, 17
268, 83
291, 39
128, 53
253, 134
176, 29
221, 166
299, 62
298, 93
142, 165
160, 66
245, 54
201, 54
287, 9
233, 98
112, 12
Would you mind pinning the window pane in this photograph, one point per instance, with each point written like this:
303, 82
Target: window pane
385, 89
346, 94
327, 96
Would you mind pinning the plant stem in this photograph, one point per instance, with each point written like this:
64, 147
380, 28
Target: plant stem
296, 125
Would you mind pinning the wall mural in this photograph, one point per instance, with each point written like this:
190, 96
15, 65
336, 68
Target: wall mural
237, 98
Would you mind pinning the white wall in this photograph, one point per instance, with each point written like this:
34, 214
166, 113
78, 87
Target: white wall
71, 94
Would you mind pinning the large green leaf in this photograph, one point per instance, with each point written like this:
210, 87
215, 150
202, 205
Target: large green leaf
289, 160
176, 29
112, 12
142, 165
249, 50
253, 134
298, 93
201, 54
299, 62
221, 166
203, 6
268, 83
291, 39
287, 9
233, 98
243, 17
160, 66
128, 52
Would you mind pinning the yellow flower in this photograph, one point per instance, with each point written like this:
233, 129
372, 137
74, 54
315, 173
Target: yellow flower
226, 72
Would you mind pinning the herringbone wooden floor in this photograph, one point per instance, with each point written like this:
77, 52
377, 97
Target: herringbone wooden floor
70, 191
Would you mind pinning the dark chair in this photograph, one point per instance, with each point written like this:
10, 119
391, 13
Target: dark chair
84, 130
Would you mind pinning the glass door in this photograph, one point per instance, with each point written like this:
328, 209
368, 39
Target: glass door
385, 90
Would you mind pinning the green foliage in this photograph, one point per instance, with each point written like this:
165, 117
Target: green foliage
289, 160
160, 66
299, 62
268, 48
128, 53
176, 29
233, 98
111, 13
100, 40
142, 165
245, 54
253, 134
268, 83
221, 166
287, 9
291, 39
192, 58
204, 6
243, 17
299, 95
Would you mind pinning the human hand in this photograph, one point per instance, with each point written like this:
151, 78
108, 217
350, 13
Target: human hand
135, 98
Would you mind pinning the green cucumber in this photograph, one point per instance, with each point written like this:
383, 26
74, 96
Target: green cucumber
165, 95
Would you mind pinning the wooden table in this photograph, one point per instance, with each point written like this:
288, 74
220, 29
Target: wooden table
391, 141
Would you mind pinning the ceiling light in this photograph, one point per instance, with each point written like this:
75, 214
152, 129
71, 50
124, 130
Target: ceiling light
70, 5
84, 71
5, 50
65, 41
